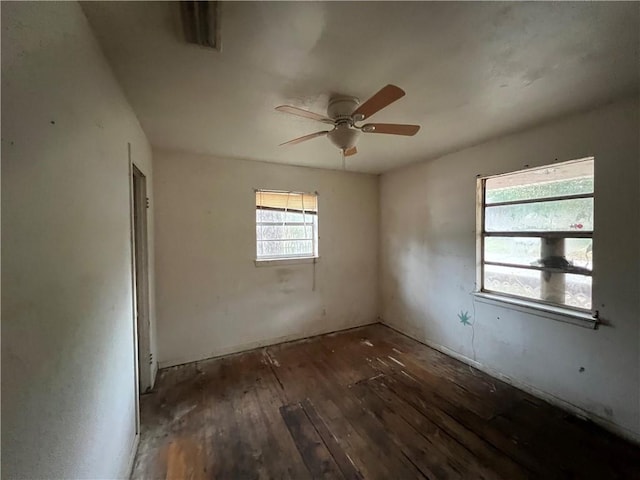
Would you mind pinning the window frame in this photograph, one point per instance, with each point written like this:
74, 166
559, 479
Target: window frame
531, 305
290, 259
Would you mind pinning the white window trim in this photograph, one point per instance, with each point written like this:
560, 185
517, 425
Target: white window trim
293, 260
271, 262
553, 312
583, 318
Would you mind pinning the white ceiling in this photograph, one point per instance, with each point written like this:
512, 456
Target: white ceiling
472, 71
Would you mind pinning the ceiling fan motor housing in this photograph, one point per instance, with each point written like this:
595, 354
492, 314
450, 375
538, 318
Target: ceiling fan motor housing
342, 107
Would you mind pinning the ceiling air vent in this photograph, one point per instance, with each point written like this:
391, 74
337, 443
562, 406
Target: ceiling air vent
200, 23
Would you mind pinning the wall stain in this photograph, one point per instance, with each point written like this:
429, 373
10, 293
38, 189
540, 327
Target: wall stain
283, 274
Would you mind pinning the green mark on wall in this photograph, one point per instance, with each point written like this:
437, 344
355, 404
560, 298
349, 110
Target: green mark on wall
464, 318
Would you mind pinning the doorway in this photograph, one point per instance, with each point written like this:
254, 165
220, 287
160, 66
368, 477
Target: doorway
141, 278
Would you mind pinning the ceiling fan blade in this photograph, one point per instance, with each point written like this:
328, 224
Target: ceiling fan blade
391, 128
303, 113
350, 151
386, 96
304, 139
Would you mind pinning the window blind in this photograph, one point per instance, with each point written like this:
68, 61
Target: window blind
290, 201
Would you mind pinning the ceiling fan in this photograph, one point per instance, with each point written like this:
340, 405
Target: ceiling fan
345, 112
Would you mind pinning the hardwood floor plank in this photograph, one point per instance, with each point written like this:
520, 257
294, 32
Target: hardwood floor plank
247, 436
420, 397
419, 449
362, 438
444, 430
185, 460
483, 406
344, 462
314, 452
439, 461
270, 397
367, 403
431, 401
549, 424
171, 433
540, 436
496, 394
329, 367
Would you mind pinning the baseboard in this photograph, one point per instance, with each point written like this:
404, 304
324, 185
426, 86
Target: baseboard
221, 352
547, 397
132, 457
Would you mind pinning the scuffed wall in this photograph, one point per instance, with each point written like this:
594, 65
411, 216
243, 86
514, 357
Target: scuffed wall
428, 266
213, 299
68, 371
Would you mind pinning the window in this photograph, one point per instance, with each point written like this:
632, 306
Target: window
536, 235
286, 225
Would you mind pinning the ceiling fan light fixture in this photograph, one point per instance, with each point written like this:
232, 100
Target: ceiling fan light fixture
343, 136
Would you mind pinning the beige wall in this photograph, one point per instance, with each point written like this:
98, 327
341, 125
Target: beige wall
213, 300
428, 266
68, 372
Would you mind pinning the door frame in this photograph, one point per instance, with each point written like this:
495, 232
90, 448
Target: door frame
140, 252
140, 329
136, 386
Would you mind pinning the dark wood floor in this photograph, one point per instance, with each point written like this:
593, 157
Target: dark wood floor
365, 403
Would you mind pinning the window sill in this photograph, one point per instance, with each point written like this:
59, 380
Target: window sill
285, 261
582, 319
